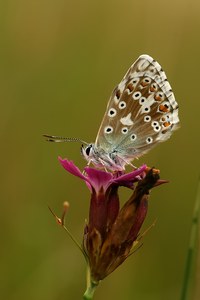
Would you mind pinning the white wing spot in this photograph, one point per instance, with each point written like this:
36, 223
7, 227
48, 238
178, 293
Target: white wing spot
112, 112
154, 123
124, 130
133, 137
122, 104
146, 109
147, 118
135, 81
137, 95
127, 120
108, 129
156, 126
142, 100
147, 80
149, 140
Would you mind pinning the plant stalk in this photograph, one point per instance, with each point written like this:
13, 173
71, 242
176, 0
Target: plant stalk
91, 287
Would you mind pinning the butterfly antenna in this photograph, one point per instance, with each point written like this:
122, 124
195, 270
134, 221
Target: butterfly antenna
60, 139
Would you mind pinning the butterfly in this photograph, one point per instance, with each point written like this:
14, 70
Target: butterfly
141, 112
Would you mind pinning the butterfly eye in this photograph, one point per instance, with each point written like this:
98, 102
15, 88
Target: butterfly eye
149, 140
87, 150
112, 112
122, 104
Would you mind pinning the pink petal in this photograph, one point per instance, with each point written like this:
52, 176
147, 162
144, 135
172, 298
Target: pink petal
130, 177
74, 170
98, 178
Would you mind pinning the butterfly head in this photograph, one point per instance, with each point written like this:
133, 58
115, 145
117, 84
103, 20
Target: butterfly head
87, 151
102, 159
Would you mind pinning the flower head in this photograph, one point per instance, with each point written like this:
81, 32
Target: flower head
97, 180
111, 231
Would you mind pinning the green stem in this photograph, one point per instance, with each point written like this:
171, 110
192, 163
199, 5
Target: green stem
91, 287
188, 287
74, 240
89, 293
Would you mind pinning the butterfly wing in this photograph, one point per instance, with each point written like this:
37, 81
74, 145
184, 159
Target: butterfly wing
141, 112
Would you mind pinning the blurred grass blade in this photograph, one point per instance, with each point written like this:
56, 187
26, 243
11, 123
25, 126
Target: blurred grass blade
191, 288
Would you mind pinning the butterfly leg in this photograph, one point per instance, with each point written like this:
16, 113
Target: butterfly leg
103, 164
127, 162
88, 164
130, 164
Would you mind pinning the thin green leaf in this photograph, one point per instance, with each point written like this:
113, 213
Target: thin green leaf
190, 288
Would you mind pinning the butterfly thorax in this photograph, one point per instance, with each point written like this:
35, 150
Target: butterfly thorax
103, 159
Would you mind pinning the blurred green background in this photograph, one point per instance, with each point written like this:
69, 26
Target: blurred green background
59, 61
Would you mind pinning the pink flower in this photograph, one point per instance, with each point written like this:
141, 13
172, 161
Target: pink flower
98, 179
111, 231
